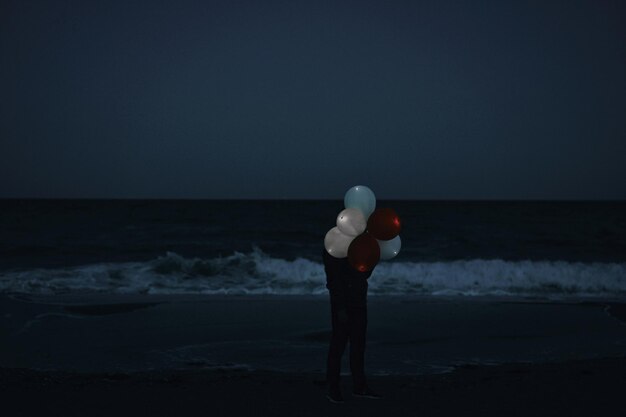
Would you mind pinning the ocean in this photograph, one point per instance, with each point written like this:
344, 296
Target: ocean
545, 250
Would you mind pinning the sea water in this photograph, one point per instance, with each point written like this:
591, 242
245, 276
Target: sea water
209, 274
241, 247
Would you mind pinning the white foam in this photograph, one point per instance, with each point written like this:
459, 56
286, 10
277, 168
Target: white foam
256, 273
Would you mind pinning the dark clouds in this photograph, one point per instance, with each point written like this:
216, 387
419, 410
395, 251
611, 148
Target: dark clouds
303, 99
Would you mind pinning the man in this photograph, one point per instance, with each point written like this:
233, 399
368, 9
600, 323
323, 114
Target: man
348, 301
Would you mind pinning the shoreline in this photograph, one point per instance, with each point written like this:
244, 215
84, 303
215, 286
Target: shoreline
100, 303
406, 335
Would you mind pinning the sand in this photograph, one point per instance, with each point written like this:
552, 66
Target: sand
577, 388
92, 355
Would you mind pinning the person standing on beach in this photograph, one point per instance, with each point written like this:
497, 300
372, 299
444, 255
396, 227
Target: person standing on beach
348, 300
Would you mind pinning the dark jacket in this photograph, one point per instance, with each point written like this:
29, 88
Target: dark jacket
347, 286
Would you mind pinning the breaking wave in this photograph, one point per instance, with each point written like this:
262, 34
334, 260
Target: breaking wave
257, 273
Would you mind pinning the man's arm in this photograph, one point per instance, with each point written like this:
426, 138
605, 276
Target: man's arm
336, 280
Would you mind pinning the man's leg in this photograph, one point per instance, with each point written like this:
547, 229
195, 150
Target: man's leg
337, 346
358, 332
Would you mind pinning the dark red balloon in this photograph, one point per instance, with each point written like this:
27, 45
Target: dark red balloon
364, 252
384, 224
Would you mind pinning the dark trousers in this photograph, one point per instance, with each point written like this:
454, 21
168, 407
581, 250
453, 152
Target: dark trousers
354, 330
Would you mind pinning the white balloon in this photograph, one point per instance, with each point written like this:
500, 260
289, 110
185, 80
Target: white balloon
389, 248
362, 198
351, 221
337, 243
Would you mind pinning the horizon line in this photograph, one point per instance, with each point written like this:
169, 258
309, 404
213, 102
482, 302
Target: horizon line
311, 199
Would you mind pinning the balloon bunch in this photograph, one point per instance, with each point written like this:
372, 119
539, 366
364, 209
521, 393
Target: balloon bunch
363, 233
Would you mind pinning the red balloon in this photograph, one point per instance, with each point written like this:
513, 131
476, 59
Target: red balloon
384, 224
364, 252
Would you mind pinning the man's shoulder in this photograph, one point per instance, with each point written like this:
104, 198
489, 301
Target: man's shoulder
336, 267
328, 258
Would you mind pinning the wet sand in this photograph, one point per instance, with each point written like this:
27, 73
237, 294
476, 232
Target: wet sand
575, 388
92, 355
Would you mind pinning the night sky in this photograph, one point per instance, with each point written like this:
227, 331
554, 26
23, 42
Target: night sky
263, 99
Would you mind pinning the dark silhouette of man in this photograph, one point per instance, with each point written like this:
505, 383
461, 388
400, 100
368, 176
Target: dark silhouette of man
348, 301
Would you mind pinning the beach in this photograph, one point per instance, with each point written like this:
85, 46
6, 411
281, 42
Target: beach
103, 354
574, 388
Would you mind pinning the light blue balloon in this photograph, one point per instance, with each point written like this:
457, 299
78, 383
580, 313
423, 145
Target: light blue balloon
389, 248
362, 198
